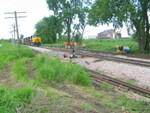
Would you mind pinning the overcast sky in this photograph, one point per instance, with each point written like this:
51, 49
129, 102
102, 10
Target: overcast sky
35, 11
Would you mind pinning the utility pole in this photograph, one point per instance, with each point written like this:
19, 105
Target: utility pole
13, 31
16, 22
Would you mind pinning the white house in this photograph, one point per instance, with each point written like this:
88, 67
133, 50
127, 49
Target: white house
109, 34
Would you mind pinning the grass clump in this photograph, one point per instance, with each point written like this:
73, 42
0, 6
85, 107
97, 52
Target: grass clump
12, 99
20, 69
52, 69
127, 104
132, 105
131, 82
9, 52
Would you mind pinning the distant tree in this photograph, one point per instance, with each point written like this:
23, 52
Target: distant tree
69, 11
80, 27
132, 12
48, 27
41, 30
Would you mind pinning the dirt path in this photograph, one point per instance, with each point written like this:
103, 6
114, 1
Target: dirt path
6, 76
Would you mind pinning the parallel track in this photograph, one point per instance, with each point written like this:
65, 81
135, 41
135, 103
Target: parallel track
98, 77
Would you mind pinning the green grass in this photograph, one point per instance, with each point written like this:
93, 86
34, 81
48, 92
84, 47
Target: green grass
52, 69
20, 69
57, 100
127, 104
10, 99
110, 44
107, 45
112, 100
9, 52
87, 107
131, 82
132, 105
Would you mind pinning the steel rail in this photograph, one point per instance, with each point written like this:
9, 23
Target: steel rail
98, 77
112, 58
106, 56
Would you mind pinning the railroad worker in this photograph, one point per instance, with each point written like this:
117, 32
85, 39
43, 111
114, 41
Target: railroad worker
65, 44
83, 45
71, 44
75, 45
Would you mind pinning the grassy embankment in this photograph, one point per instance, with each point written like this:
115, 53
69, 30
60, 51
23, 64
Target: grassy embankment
11, 99
48, 85
107, 44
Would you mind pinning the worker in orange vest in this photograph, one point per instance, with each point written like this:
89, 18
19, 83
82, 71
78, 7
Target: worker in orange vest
75, 45
65, 44
83, 45
71, 44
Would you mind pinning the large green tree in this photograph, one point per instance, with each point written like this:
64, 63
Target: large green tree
48, 27
69, 11
132, 12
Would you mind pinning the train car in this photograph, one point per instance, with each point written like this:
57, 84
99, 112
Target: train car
26, 41
36, 40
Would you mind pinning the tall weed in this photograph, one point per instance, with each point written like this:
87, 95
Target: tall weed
52, 69
9, 52
20, 69
12, 99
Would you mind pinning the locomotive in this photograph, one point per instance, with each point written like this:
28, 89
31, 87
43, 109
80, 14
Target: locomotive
34, 40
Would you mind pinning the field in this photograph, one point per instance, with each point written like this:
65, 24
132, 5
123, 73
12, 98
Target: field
37, 83
107, 45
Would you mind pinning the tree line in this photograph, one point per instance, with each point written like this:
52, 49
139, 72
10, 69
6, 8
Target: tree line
70, 18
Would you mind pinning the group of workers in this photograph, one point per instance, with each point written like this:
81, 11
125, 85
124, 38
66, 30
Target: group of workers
74, 45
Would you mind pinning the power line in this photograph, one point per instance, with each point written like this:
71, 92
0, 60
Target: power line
16, 22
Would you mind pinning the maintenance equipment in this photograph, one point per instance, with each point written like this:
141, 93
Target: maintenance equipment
122, 49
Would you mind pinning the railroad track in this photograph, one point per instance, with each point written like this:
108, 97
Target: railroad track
104, 55
98, 77
113, 58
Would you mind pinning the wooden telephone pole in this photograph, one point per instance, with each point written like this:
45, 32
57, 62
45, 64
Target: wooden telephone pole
16, 22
